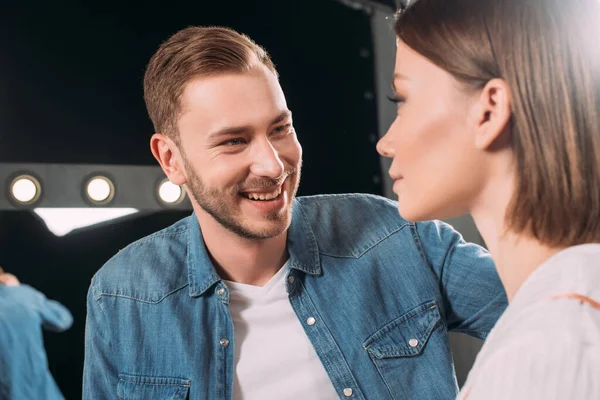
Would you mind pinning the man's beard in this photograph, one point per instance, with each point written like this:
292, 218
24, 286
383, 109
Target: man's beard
223, 209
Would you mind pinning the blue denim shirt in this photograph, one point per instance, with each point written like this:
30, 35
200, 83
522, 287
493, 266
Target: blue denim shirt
384, 293
24, 373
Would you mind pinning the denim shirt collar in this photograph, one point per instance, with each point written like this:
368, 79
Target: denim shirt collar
201, 272
301, 242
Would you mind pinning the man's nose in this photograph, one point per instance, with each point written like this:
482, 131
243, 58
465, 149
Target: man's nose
266, 161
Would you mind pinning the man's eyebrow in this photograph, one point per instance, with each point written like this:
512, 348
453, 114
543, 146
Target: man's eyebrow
230, 131
238, 130
287, 114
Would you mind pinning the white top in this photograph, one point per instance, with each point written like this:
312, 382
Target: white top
544, 347
274, 358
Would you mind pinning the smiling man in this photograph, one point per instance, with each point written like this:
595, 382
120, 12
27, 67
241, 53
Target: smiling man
262, 295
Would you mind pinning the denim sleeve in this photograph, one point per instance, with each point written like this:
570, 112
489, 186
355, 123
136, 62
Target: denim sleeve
474, 297
55, 317
24, 370
100, 375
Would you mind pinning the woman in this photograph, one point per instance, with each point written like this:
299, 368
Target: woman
499, 116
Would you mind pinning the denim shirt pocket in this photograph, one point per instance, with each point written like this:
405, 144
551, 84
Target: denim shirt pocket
397, 347
135, 387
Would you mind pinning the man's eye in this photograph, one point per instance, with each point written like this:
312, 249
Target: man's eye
234, 142
282, 128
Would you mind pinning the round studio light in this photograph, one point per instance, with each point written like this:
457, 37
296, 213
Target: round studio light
170, 193
100, 190
25, 189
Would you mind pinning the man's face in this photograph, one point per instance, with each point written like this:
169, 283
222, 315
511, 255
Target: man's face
239, 148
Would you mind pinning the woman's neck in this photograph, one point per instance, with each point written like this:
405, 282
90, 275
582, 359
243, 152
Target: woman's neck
516, 255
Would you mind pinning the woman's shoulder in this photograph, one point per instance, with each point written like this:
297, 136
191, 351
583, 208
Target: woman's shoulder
555, 354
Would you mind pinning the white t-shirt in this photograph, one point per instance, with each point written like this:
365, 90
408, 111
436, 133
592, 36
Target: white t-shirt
546, 345
274, 358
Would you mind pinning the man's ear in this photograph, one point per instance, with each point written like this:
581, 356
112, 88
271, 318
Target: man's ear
492, 113
169, 157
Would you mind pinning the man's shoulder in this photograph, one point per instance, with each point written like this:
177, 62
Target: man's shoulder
348, 200
148, 268
348, 225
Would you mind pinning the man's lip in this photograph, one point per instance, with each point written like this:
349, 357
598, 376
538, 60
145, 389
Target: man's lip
270, 189
261, 190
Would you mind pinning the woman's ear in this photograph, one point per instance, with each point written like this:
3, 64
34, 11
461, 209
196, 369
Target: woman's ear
492, 113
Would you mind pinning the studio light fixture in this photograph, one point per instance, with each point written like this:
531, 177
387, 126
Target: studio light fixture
99, 190
25, 189
169, 193
61, 221
73, 196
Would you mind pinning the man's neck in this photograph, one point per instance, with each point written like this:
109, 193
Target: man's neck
237, 259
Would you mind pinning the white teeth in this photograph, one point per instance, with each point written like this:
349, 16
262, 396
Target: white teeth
264, 196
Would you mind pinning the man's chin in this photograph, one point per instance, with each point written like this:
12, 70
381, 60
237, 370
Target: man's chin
268, 229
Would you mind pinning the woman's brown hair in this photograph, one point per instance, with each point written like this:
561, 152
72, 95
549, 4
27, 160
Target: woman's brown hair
548, 53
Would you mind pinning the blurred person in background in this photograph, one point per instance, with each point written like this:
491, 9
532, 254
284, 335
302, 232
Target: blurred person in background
24, 373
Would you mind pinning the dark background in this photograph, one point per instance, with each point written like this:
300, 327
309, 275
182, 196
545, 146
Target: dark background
71, 92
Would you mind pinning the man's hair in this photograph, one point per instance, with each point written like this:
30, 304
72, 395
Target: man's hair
192, 53
547, 52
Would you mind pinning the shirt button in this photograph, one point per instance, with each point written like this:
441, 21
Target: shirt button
413, 342
348, 392
224, 342
220, 291
291, 279
311, 321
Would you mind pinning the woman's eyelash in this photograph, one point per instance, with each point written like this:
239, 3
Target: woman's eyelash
395, 99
